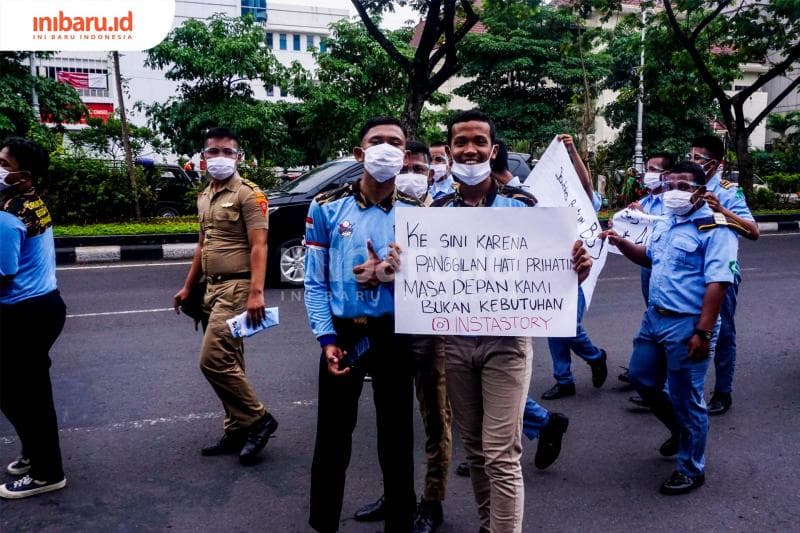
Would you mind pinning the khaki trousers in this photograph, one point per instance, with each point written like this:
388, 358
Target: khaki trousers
222, 356
487, 382
434, 407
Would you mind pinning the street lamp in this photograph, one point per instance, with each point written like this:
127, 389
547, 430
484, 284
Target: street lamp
638, 155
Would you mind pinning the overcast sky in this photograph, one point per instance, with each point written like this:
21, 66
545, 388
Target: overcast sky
391, 21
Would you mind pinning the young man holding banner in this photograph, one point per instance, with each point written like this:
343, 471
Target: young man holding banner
488, 377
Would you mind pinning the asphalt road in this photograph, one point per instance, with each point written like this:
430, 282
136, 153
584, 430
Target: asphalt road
134, 411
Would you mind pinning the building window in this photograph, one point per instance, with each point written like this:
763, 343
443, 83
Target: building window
282, 41
296, 43
309, 42
280, 91
256, 8
322, 46
270, 91
268, 40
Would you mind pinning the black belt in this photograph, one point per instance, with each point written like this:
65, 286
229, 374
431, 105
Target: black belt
219, 278
668, 312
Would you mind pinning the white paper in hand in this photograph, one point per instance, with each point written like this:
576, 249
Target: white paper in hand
239, 327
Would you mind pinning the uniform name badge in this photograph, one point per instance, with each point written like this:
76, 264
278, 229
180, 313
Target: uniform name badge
720, 219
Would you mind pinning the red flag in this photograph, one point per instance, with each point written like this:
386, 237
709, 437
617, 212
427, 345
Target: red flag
79, 80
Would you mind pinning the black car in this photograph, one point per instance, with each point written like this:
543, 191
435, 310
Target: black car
170, 185
288, 207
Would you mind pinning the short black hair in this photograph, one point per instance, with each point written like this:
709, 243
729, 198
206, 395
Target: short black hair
712, 143
438, 144
30, 155
469, 116
380, 121
668, 159
687, 167
221, 133
500, 163
417, 147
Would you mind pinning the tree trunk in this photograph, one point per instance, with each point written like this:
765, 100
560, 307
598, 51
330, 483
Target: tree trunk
745, 164
126, 141
412, 110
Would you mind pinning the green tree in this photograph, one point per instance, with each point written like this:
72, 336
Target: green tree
216, 62
355, 79
58, 102
532, 65
435, 57
105, 139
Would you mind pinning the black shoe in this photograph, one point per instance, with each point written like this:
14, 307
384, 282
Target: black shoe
639, 402
559, 391
374, 512
720, 403
257, 438
549, 446
228, 444
599, 370
429, 517
463, 469
670, 446
681, 484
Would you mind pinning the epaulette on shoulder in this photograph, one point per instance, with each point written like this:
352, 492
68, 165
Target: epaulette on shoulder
336, 194
251, 184
444, 200
411, 200
518, 194
720, 221
727, 184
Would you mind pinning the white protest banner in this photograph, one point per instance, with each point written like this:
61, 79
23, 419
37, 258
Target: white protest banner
486, 271
633, 225
554, 183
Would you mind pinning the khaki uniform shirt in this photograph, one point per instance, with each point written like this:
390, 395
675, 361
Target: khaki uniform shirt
225, 218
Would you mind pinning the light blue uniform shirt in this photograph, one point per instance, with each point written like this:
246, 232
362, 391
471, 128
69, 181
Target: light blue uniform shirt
652, 204
338, 226
29, 257
441, 188
686, 259
730, 195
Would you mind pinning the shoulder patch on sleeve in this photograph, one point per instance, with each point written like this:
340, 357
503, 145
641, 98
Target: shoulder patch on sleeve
518, 194
337, 194
407, 199
442, 201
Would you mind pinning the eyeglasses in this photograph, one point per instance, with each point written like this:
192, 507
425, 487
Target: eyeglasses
681, 185
227, 152
440, 159
417, 169
697, 158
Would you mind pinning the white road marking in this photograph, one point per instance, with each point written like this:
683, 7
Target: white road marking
147, 422
779, 234
161, 310
631, 278
138, 265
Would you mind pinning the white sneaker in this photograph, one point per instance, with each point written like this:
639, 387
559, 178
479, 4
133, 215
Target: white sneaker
19, 467
27, 486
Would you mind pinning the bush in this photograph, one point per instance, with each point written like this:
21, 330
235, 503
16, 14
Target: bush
762, 199
262, 176
784, 182
81, 190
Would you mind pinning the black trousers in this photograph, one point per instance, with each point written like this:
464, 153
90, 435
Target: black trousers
389, 362
27, 331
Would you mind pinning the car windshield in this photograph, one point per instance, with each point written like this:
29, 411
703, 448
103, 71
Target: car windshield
315, 178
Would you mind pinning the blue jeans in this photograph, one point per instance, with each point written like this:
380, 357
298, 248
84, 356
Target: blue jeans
581, 344
534, 418
660, 354
725, 354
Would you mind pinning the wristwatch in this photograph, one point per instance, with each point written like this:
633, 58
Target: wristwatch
704, 334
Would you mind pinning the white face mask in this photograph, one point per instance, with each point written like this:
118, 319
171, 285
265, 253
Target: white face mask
471, 174
439, 171
383, 161
678, 202
221, 168
415, 185
652, 180
3, 175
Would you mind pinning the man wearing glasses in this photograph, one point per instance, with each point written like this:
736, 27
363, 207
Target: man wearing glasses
232, 253
693, 259
727, 198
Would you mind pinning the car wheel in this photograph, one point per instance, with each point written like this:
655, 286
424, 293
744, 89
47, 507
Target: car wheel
167, 212
292, 262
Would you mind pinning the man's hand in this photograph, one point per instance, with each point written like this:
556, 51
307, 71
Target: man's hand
366, 271
612, 236
569, 144
255, 307
178, 299
713, 202
581, 261
332, 355
636, 206
387, 268
698, 348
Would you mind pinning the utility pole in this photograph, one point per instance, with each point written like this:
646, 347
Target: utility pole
126, 141
34, 95
638, 154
